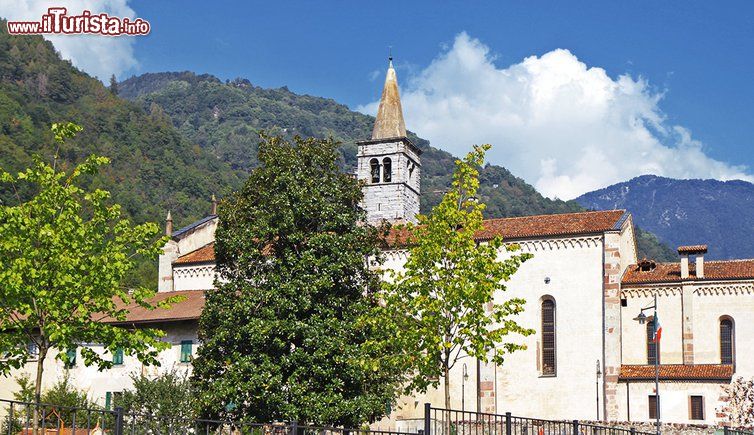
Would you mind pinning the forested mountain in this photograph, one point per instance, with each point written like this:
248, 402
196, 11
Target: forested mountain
223, 118
187, 137
154, 169
687, 212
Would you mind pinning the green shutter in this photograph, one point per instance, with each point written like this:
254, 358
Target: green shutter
186, 348
108, 399
118, 357
71, 355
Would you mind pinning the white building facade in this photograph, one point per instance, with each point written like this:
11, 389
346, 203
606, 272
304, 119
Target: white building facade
584, 286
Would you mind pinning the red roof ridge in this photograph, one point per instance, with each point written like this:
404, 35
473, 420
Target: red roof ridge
572, 213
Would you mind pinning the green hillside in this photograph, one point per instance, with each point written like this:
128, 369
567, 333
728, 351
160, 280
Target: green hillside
186, 137
154, 169
223, 118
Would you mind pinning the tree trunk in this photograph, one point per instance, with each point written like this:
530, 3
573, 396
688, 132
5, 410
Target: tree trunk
38, 388
446, 374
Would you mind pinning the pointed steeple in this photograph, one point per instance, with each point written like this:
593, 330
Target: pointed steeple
389, 123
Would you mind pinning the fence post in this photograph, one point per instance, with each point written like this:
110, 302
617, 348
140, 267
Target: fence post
427, 419
508, 424
726, 431
294, 427
118, 429
633, 430
575, 427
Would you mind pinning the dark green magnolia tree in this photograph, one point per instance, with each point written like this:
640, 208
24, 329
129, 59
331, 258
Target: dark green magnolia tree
441, 307
63, 256
281, 333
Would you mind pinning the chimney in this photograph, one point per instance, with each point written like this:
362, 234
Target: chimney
698, 251
168, 225
684, 266
700, 265
213, 211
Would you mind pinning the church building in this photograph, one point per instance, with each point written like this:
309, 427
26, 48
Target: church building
584, 287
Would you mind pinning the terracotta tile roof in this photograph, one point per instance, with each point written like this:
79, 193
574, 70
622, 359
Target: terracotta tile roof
692, 249
678, 372
188, 309
565, 224
671, 272
202, 255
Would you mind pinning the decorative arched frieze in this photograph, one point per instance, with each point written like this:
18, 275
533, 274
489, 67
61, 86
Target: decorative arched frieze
557, 244
194, 271
720, 289
396, 255
644, 292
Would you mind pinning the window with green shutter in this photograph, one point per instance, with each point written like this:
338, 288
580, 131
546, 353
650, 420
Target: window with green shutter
71, 356
108, 400
186, 350
118, 357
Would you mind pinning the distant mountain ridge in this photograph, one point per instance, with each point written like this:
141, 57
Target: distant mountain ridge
686, 212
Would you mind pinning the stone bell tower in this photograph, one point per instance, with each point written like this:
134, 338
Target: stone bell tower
389, 163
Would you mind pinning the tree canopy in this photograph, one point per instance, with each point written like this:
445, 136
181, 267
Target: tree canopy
64, 254
281, 333
444, 304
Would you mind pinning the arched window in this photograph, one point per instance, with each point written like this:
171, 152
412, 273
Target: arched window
387, 169
652, 346
549, 360
375, 167
726, 341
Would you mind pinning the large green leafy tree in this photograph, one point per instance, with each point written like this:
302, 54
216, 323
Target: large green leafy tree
281, 333
64, 254
442, 305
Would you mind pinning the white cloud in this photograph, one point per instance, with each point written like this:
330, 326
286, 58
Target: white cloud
99, 56
562, 126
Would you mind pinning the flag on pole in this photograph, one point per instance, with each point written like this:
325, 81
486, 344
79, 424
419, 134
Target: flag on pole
658, 329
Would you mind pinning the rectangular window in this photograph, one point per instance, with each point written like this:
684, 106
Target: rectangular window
653, 407
71, 356
652, 345
697, 408
108, 400
186, 350
32, 349
118, 357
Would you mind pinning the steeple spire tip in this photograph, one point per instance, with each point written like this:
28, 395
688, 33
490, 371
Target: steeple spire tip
389, 122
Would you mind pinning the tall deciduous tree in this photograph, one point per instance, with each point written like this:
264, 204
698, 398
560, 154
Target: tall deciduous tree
63, 256
442, 305
281, 336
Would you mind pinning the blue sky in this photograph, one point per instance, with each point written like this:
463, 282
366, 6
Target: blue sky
693, 61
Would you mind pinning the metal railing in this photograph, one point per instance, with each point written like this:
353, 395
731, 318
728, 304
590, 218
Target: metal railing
18, 418
730, 431
439, 421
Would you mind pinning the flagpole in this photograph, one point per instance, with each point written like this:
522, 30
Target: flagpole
657, 368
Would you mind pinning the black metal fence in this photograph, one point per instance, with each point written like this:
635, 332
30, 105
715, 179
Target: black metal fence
438, 421
18, 418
